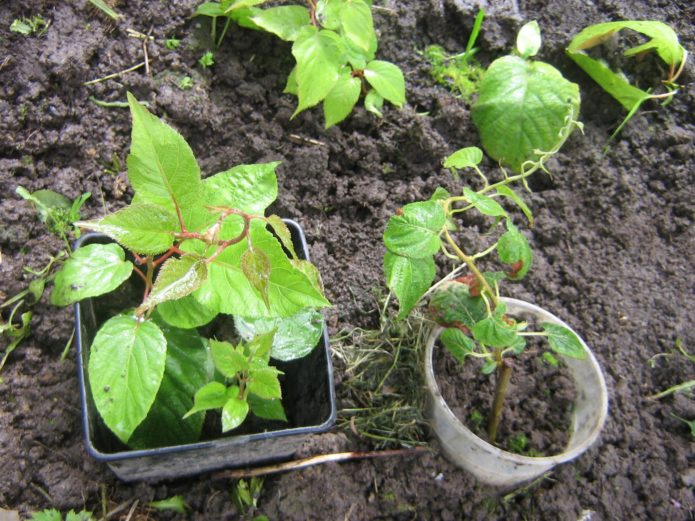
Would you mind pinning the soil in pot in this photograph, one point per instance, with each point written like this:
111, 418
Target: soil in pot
537, 410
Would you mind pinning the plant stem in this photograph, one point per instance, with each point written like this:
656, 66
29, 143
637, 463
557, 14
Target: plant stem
504, 374
470, 262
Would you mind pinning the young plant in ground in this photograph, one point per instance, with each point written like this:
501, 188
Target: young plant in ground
661, 39
334, 45
29, 26
525, 108
461, 72
469, 307
200, 248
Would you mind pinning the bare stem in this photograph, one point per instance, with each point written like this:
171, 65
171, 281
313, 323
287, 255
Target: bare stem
504, 374
470, 262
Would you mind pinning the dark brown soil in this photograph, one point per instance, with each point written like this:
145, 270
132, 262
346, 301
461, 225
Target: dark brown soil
614, 243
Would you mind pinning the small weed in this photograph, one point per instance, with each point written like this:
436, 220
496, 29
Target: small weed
246, 493
54, 515
207, 60
36, 25
477, 420
175, 504
185, 83
172, 43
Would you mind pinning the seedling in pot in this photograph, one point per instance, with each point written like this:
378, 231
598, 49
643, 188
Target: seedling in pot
334, 44
469, 307
200, 248
525, 108
661, 39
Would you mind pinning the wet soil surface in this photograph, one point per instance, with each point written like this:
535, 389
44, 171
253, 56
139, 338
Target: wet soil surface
614, 243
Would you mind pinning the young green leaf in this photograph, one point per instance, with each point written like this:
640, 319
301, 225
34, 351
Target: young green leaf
453, 305
144, 228
209, 397
161, 165
261, 345
266, 409
126, 365
341, 99
484, 204
249, 188
563, 341
283, 233
310, 271
295, 336
493, 331
209, 9
319, 55
234, 413
90, 271
414, 231
457, 343
357, 26
228, 360
387, 79
408, 278
513, 248
374, 102
264, 383
185, 312
507, 192
291, 85
174, 503
528, 41
464, 158
285, 21
176, 279
523, 107
256, 268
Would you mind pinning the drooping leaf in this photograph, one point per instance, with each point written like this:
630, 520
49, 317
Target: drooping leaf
408, 278
90, 271
493, 331
414, 231
387, 79
452, 305
187, 369
295, 336
185, 312
143, 228
357, 26
319, 55
522, 107
507, 192
513, 248
564, 341
228, 359
234, 413
177, 278
126, 365
374, 102
464, 158
457, 343
484, 204
264, 383
161, 165
266, 409
284, 21
249, 188
528, 41
341, 99
209, 397
256, 268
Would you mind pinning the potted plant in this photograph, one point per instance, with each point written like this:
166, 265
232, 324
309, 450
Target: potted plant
154, 355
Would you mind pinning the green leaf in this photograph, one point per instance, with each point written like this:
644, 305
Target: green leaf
373, 102
186, 312
266, 409
319, 55
264, 383
187, 370
341, 99
493, 331
464, 158
312, 273
144, 228
283, 233
161, 165
564, 341
528, 41
90, 271
295, 336
513, 248
408, 278
285, 21
357, 26
291, 85
256, 268
328, 13
229, 291
249, 188
126, 365
176, 279
234, 413
453, 306
174, 503
209, 397
507, 192
457, 343
260, 346
209, 9
241, 4
414, 231
484, 204
228, 360
387, 79
45, 201
523, 107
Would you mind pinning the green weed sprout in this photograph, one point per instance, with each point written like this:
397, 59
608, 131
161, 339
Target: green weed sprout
469, 306
661, 39
334, 44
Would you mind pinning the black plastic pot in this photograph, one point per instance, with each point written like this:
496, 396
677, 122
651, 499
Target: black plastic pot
308, 398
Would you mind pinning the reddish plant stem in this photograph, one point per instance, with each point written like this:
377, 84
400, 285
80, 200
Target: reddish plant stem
504, 374
312, 12
173, 250
224, 244
141, 274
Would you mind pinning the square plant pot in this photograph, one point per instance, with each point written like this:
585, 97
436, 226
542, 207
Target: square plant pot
308, 398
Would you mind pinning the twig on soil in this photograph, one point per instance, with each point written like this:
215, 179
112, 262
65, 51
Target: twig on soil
115, 74
314, 460
296, 138
675, 389
42, 492
5, 62
132, 509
